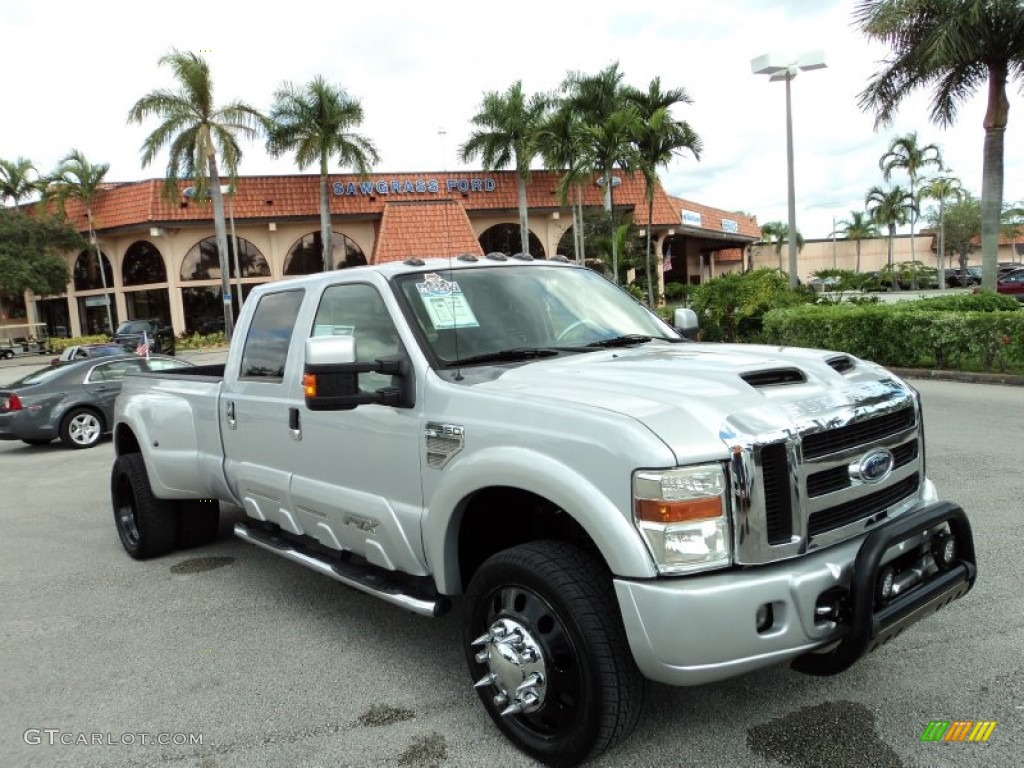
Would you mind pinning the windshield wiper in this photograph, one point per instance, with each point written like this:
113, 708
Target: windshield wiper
621, 341
505, 356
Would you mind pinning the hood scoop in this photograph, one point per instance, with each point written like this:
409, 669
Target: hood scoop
774, 377
840, 363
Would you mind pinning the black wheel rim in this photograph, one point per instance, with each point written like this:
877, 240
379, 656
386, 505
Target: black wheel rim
127, 519
561, 711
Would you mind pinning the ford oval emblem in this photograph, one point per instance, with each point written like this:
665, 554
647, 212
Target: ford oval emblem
876, 466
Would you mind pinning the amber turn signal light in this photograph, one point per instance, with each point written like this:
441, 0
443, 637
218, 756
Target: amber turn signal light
660, 511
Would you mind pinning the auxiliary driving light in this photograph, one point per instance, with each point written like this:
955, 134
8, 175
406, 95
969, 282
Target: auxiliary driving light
944, 550
886, 581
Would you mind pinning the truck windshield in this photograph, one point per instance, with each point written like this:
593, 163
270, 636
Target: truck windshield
479, 313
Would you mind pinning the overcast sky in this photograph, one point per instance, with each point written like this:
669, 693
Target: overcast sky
72, 70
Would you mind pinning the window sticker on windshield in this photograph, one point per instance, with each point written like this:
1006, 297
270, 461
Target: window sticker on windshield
445, 303
333, 330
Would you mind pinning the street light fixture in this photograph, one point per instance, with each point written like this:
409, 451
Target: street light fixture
778, 68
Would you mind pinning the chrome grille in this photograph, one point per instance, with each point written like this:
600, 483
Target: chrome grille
863, 507
838, 478
778, 506
857, 434
797, 489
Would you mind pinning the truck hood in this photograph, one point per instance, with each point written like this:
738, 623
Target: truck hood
699, 399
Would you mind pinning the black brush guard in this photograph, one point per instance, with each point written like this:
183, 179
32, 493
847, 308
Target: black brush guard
870, 628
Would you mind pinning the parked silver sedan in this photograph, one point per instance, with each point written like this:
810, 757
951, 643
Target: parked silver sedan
72, 401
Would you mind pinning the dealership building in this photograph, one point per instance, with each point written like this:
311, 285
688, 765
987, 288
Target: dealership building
159, 257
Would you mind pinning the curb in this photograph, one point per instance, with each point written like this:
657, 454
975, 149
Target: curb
963, 377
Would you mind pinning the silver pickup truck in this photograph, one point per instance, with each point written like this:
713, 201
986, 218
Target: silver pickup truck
608, 500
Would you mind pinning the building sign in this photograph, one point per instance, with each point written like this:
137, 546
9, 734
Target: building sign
97, 301
691, 218
731, 226
413, 186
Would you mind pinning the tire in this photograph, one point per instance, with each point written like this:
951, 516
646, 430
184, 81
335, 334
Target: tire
199, 523
561, 602
147, 526
6, 354
81, 428
37, 440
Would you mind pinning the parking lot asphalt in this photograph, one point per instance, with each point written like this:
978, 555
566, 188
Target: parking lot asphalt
272, 665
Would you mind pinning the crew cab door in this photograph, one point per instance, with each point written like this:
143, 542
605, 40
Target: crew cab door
254, 411
355, 481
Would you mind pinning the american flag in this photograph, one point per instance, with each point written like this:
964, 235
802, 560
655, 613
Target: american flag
143, 349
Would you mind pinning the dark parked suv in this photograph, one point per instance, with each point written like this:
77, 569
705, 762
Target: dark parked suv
131, 333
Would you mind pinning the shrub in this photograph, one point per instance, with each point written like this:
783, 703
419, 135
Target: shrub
56, 345
200, 340
731, 307
890, 335
986, 301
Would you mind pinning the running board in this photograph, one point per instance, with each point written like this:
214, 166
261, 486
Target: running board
393, 588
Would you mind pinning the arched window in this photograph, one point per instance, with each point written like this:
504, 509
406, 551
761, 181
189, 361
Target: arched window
201, 262
143, 264
87, 272
505, 238
304, 256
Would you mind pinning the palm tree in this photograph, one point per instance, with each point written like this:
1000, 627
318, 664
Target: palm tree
558, 141
776, 234
314, 122
942, 188
77, 179
658, 139
904, 152
507, 135
195, 132
858, 227
889, 208
608, 127
955, 47
16, 180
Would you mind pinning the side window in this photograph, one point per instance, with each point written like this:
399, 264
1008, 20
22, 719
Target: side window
270, 333
357, 310
113, 371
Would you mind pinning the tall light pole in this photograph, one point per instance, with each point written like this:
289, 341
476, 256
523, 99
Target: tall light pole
225, 284
778, 68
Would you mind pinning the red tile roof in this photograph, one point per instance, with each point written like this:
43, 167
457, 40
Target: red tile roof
280, 197
426, 228
711, 218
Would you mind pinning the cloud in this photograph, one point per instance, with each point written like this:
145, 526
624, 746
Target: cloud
419, 68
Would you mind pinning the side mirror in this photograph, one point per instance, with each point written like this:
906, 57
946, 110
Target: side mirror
685, 321
330, 377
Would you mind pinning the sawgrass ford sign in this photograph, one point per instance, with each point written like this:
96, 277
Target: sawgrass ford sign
414, 186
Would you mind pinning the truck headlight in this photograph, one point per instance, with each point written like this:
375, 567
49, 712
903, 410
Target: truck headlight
681, 514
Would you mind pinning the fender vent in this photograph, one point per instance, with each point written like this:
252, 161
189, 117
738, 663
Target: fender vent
840, 363
774, 377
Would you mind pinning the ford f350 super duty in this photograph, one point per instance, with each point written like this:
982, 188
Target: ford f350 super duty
609, 500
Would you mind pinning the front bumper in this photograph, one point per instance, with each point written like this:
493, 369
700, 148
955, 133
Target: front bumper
696, 630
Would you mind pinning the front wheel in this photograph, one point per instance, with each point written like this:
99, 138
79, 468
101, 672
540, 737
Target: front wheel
548, 653
146, 525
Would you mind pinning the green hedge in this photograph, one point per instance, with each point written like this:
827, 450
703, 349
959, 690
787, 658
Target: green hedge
903, 336
57, 345
201, 340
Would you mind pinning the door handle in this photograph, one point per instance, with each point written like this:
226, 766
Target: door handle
230, 409
294, 429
